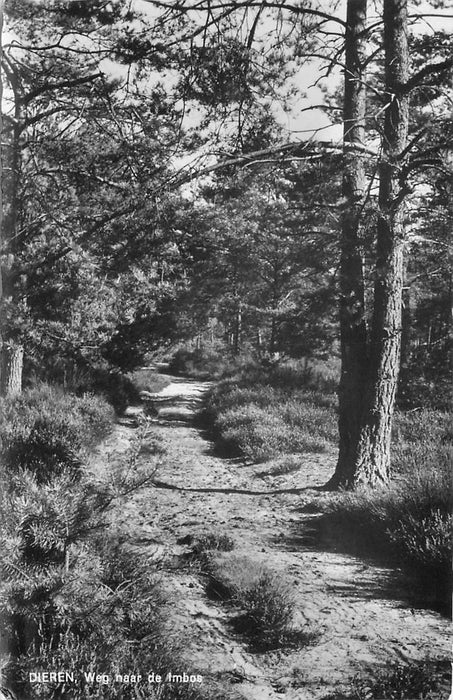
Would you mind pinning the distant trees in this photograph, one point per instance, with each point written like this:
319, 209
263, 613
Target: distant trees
253, 266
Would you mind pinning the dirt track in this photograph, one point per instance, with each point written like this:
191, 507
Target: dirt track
363, 620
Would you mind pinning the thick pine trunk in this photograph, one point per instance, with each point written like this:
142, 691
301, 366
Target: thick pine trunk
372, 449
12, 360
353, 331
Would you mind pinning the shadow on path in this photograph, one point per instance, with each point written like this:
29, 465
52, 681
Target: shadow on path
247, 492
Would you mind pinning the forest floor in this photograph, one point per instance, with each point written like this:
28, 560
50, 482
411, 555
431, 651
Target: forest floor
362, 618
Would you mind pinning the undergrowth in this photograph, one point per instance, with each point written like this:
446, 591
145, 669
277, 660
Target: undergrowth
410, 520
264, 603
71, 596
148, 380
424, 680
264, 413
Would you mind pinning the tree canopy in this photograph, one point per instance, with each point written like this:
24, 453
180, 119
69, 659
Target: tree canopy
152, 185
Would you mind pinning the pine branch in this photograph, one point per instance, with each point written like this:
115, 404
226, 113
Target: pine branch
430, 69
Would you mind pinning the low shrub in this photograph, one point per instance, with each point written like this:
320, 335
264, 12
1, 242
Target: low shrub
269, 611
265, 600
50, 449
425, 680
213, 542
118, 389
423, 427
101, 628
266, 414
409, 522
88, 417
148, 380
45, 431
288, 465
70, 596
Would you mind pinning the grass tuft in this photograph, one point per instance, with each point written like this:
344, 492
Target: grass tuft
265, 602
425, 680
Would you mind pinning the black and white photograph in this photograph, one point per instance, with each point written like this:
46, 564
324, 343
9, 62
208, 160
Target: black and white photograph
226, 349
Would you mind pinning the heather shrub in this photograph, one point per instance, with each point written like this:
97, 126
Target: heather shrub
148, 380
201, 363
263, 600
268, 611
46, 431
49, 449
263, 414
89, 418
416, 680
410, 522
213, 541
423, 427
118, 389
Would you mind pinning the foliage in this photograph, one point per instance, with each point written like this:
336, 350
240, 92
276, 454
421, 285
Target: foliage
82, 278
43, 409
258, 276
213, 541
50, 449
420, 680
149, 380
409, 521
201, 363
266, 413
265, 600
71, 596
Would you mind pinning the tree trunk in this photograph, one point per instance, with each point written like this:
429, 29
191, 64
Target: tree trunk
353, 330
12, 359
372, 449
11, 353
2, 234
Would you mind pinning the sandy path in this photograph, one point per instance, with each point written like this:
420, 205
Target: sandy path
363, 621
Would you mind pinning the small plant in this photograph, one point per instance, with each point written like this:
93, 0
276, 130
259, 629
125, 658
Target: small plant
213, 542
87, 418
50, 449
424, 680
269, 611
148, 380
288, 466
265, 600
408, 522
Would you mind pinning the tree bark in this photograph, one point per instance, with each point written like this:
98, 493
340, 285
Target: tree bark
372, 448
1, 155
12, 360
11, 351
353, 328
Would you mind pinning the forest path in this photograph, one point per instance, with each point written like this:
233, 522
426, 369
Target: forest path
362, 619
